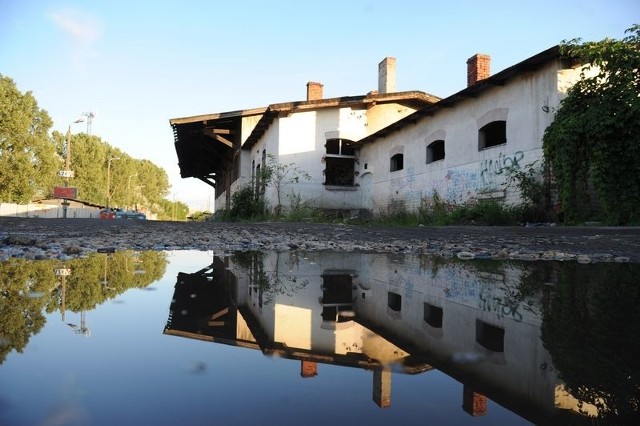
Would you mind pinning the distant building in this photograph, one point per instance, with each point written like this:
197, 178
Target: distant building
385, 150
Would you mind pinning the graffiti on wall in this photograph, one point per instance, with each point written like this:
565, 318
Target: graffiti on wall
409, 188
461, 184
491, 169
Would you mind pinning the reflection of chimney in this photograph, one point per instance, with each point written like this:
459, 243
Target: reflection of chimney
478, 68
387, 75
314, 91
473, 403
382, 388
308, 369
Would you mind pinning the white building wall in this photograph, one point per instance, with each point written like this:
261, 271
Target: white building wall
301, 139
527, 103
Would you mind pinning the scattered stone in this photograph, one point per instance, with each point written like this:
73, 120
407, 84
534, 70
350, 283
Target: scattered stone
69, 239
20, 240
583, 259
465, 255
72, 250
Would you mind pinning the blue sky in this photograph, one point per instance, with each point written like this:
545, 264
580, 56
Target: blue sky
137, 64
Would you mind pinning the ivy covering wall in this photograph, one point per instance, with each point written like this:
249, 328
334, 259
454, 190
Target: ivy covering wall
593, 145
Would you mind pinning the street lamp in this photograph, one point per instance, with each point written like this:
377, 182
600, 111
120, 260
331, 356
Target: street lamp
109, 177
67, 171
129, 191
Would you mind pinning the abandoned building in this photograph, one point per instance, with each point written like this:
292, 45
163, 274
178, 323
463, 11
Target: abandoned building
384, 150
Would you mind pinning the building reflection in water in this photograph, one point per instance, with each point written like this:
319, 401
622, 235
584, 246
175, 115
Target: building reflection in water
478, 322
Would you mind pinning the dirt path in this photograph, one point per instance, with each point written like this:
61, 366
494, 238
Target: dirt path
605, 242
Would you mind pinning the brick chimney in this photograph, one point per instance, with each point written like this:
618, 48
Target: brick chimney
314, 91
478, 68
473, 403
308, 369
387, 75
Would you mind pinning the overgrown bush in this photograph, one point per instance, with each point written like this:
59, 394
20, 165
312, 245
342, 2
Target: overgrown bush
300, 210
247, 205
434, 210
536, 203
593, 144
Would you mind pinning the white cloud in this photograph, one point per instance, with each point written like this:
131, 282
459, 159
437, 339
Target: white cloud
84, 31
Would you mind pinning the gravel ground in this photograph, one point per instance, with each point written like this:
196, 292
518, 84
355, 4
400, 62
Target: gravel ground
63, 238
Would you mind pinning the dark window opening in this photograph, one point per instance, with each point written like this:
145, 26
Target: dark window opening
394, 301
492, 134
435, 151
340, 147
397, 162
333, 146
340, 163
339, 171
433, 315
490, 336
337, 289
264, 164
258, 179
337, 296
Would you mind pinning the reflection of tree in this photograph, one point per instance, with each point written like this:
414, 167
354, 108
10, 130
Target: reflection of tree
270, 283
23, 291
29, 287
591, 328
104, 276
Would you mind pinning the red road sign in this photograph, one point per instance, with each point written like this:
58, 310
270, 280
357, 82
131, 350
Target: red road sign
65, 192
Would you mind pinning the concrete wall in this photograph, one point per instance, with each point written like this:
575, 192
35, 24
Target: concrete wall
48, 211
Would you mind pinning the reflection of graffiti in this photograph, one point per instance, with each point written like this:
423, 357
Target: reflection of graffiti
491, 168
458, 285
497, 305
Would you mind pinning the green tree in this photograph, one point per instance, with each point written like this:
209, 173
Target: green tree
593, 144
132, 182
173, 210
28, 163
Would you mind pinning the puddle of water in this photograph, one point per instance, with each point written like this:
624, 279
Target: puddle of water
245, 338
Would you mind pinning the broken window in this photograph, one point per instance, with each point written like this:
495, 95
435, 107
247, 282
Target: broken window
394, 301
435, 151
397, 162
492, 134
340, 162
433, 315
490, 336
337, 296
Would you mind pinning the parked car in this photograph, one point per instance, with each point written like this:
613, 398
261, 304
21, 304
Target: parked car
107, 214
130, 214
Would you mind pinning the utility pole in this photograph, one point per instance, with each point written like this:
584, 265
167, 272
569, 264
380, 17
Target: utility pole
89, 116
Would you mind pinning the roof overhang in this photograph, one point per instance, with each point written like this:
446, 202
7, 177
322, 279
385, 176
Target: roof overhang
206, 144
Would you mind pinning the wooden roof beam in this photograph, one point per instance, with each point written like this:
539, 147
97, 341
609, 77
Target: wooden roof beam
212, 134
